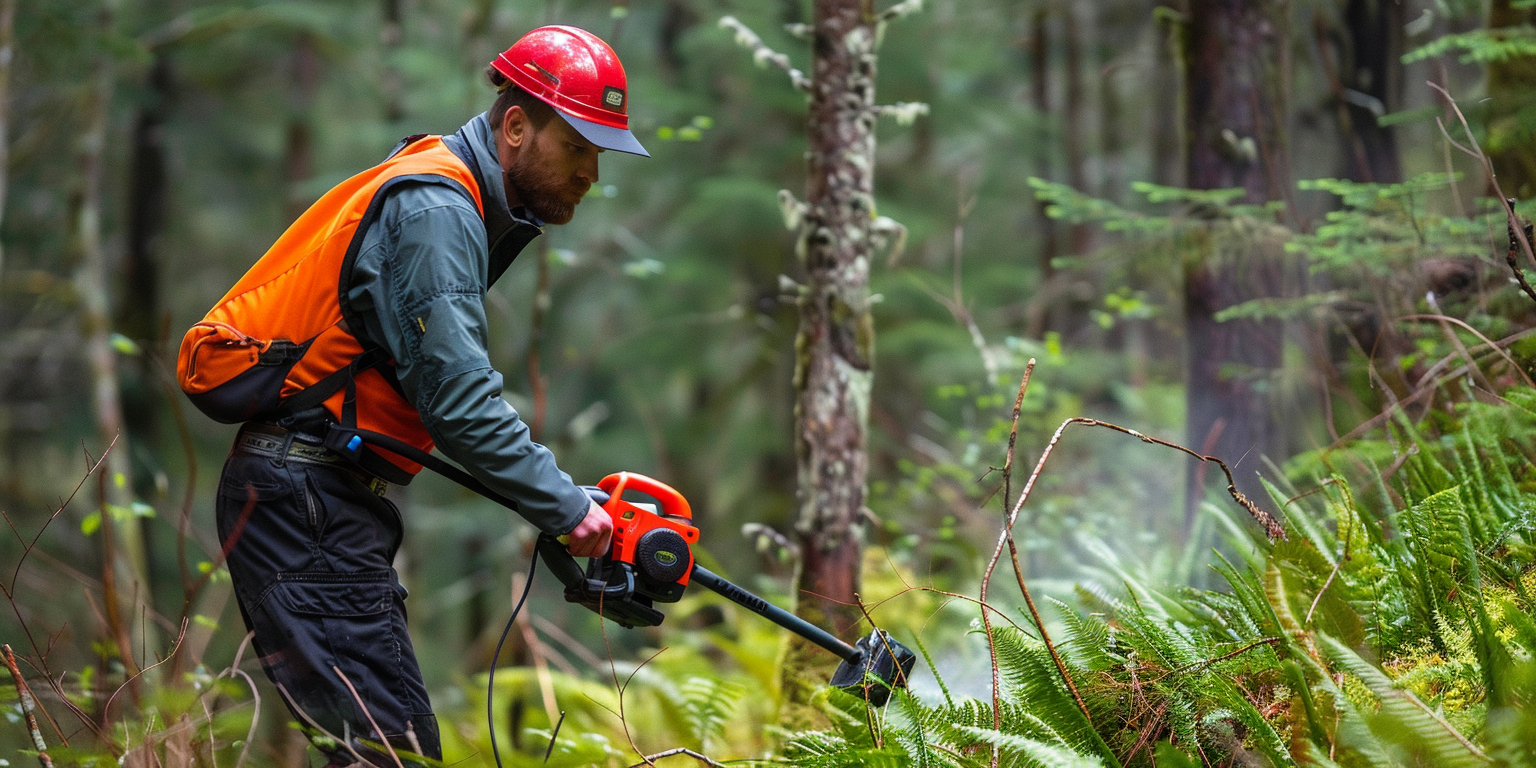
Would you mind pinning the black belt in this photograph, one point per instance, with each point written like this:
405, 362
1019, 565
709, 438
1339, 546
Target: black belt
278, 443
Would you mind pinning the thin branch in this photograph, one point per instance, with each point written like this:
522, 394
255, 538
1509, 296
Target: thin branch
128, 684
1477, 152
33, 543
344, 740
1343, 558
28, 706
762, 55
649, 760
374, 723
903, 8
1515, 232
986, 580
1450, 335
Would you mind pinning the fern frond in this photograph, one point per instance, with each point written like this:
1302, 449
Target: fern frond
1404, 719
1038, 753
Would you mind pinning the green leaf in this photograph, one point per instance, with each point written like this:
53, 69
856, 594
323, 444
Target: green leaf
1409, 116
123, 344
91, 523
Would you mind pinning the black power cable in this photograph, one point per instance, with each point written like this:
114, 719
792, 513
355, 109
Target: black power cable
490, 680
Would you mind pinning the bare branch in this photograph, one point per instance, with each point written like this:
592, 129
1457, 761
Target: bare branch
1517, 232
28, 706
649, 760
901, 9
904, 112
364, 706
1467, 355
762, 55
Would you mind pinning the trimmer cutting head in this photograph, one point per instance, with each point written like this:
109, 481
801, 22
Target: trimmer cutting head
881, 664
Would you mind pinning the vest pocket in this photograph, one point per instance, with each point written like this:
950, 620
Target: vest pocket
231, 376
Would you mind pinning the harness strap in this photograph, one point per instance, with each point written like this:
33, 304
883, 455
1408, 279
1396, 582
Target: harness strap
352, 443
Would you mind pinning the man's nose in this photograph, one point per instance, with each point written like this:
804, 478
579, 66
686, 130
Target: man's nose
587, 171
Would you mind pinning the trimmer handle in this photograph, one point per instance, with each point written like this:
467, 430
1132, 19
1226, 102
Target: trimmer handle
672, 503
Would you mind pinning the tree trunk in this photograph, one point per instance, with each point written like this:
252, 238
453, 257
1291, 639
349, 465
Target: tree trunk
140, 318
835, 343
299, 143
125, 568
1511, 92
1164, 78
1072, 134
1372, 73
1235, 106
1040, 319
7, 55
391, 34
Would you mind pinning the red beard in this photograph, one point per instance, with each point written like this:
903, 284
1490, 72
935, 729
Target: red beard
542, 191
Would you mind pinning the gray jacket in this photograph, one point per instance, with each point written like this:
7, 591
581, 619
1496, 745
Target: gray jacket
418, 287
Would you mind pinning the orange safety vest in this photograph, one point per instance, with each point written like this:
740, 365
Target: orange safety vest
279, 345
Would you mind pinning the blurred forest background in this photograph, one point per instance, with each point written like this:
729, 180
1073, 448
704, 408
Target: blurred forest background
1249, 228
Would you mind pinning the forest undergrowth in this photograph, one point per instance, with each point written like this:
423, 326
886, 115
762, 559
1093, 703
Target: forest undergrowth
1383, 615
1392, 623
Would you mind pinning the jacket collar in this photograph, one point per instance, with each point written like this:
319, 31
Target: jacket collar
507, 231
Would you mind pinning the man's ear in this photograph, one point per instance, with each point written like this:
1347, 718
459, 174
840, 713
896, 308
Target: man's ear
516, 129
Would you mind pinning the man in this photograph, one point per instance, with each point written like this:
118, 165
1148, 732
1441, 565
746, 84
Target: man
368, 312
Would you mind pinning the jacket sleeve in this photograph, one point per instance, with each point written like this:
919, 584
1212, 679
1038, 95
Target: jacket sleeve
419, 286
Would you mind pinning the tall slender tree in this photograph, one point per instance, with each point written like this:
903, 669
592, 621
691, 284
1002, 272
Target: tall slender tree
835, 344
7, 56
1235, 62
839, 232
125, 568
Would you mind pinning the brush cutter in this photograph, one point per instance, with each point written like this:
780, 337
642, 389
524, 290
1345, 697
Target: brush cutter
651, 561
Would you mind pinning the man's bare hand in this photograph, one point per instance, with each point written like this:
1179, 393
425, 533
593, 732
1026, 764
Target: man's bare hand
590, 537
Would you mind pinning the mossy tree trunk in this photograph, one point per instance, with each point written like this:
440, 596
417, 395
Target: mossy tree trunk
835, 343
1235, 65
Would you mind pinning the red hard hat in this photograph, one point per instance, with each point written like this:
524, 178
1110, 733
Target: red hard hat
577, 73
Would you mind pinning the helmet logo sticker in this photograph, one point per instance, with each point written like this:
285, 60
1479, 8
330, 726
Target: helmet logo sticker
614, 98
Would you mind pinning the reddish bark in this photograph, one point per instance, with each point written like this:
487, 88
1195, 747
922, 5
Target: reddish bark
1235, 107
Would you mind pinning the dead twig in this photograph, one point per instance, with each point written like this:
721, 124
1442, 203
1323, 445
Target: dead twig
1343, 558
1515, 231
650, 759
28, 706
986, 579
344, 740
1206, 663
1464, 352
127, 684
366, 713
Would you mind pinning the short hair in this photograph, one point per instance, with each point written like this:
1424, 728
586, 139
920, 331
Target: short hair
509, 95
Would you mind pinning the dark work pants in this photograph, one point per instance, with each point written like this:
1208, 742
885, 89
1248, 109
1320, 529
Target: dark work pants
311, 566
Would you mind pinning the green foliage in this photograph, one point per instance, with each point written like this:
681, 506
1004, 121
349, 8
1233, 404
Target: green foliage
1370, 637
1481, 46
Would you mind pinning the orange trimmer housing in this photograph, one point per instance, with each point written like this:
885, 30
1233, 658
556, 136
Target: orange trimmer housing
634, 540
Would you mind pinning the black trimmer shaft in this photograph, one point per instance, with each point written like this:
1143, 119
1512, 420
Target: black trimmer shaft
877, 656
706, 578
